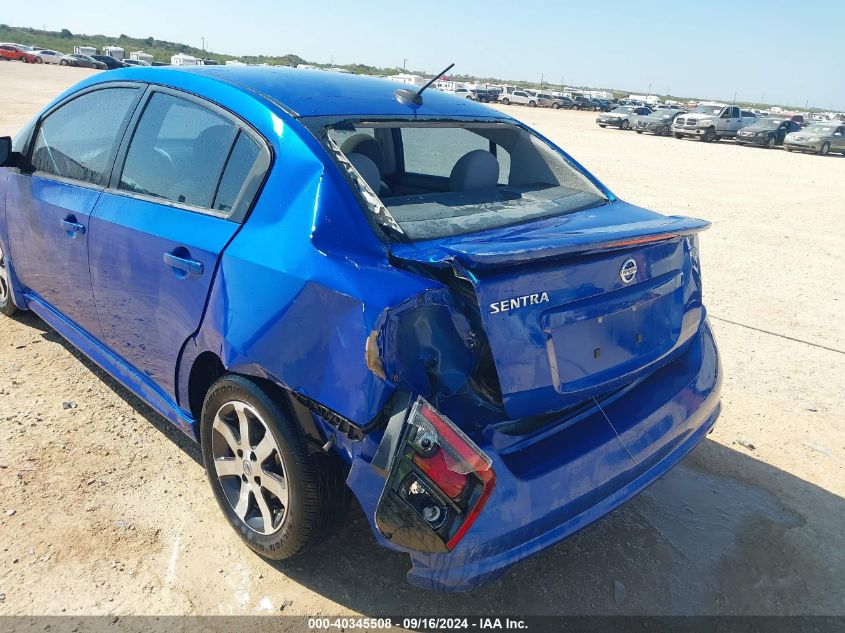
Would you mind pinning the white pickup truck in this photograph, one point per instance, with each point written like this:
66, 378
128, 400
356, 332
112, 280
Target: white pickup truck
712, 121
520, 96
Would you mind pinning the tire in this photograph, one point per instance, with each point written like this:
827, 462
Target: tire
624, 125
638, 131
63, 62
555, 105
532, 104
708, 135
788, 149
304, 495
506, 101
38, 60
678, 135
601, 125
824, 149
771, 142
7, 306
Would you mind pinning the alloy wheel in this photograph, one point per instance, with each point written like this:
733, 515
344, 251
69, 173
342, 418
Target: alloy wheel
250, 467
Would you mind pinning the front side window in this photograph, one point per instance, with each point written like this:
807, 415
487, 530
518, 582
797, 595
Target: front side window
80, 139
440, 179
178, 151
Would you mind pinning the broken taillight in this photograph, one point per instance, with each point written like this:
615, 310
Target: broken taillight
438, 483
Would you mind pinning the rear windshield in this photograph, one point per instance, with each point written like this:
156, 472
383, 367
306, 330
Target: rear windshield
428, 180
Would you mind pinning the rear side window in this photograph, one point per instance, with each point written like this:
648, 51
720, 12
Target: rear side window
240, 179
178, 151
80, 139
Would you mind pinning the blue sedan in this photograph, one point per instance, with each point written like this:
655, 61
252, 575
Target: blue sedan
340, 288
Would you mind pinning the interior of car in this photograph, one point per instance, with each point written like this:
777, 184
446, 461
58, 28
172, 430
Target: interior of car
448, 178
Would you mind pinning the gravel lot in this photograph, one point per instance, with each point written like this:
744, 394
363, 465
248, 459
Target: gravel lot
104, 507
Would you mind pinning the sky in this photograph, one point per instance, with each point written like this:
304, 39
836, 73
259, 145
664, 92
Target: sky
774, 51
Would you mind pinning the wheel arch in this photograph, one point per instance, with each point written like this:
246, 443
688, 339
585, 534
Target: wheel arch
207, 368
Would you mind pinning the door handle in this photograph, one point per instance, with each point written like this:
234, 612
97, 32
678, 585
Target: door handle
72, 227
184, 263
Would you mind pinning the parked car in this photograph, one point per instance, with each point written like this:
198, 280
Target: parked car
582, 103
486, 383
712, 121
466, 93
84, 61
820, 138
623, 117
767, 131
658, 122
546, 100
48, 56
601, 105
16, 52
110, 62
138, 62
521, 97
486, 95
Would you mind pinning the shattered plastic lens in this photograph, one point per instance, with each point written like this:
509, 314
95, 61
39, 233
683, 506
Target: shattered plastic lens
439, 481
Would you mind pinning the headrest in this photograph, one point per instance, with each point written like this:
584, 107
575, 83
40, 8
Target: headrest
368, 170
475, 170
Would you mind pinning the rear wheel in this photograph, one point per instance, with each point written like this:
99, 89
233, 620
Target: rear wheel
63, 62
280, 498
601, 125
639, 131
532, 104
555, 105
625, 125
771, 142
506, 101
7, 306
824, 149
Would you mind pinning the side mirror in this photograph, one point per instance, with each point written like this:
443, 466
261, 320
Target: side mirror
8, 158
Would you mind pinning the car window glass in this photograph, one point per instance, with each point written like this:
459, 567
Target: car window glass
177, 151
434, 151
79, 140
236, 175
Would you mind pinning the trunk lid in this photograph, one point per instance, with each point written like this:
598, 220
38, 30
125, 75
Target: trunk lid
577, 305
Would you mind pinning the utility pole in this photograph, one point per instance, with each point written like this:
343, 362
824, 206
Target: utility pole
404, 63
203, 43
649, 90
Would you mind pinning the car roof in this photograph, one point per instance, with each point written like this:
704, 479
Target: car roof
325, 93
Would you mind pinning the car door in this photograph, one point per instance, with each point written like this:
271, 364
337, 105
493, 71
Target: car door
838, 140
49, 200
159, 229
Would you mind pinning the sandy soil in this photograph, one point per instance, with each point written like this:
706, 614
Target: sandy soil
104, 507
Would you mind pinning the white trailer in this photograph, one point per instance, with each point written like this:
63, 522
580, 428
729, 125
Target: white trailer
180, 59
141, 56
114, 51
84, 50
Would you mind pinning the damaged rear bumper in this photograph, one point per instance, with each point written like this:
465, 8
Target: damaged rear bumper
573, 472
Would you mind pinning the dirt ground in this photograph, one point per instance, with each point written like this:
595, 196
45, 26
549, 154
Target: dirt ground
104, 508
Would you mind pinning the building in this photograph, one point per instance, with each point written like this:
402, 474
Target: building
180, 59
411, 80
141, 56
114, 51
84, 50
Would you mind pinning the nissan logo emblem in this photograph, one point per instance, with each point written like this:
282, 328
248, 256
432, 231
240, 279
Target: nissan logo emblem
628, 270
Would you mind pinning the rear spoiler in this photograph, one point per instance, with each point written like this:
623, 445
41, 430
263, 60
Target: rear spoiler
546, 240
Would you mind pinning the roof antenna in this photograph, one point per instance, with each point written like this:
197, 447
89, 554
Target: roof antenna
409, 97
